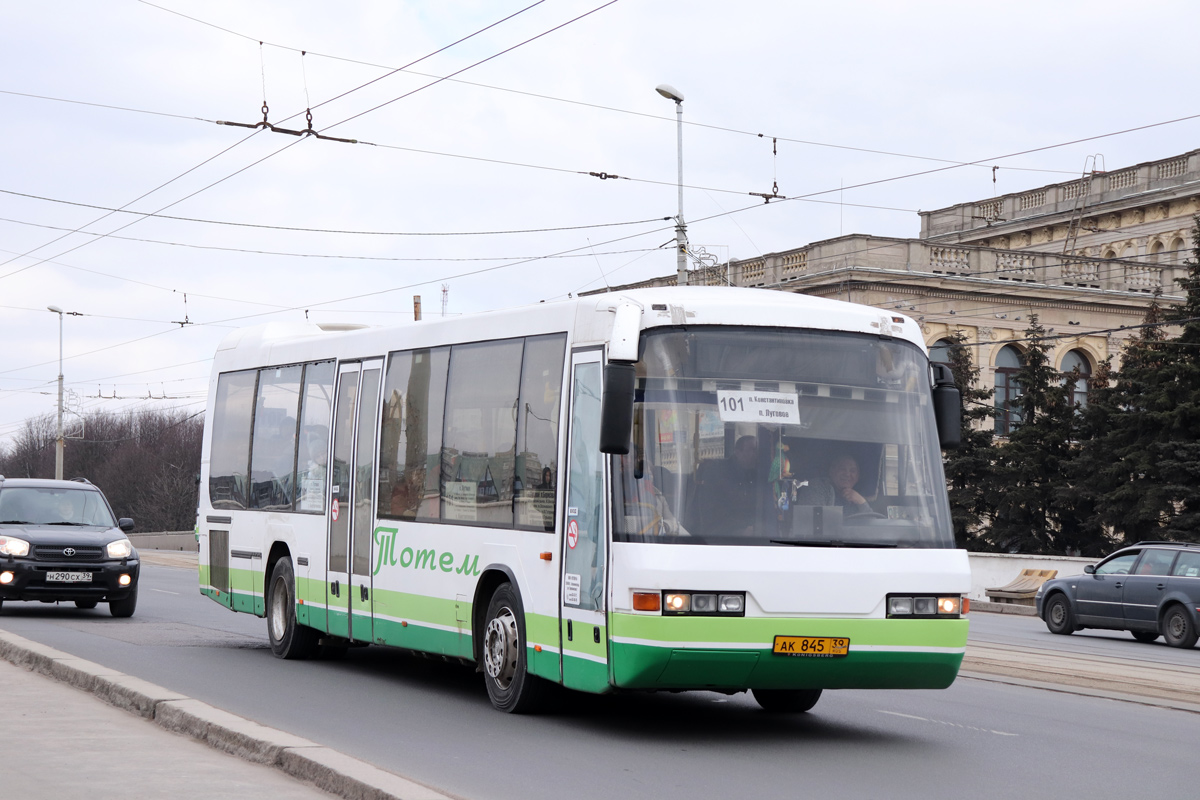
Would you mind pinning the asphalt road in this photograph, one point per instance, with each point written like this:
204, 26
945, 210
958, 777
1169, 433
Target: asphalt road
432, 721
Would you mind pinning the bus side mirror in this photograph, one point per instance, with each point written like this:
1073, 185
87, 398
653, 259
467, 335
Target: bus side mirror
947, 407
616, 408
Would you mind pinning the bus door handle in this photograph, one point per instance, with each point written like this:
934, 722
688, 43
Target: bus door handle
335, 589
362, 592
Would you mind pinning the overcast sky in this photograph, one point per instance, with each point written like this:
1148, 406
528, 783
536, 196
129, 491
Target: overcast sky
503, 146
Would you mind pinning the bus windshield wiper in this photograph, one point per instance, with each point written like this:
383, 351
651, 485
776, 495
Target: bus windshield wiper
830, 543
15, 522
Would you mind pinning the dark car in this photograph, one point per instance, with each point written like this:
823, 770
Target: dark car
60, 542
1151, 589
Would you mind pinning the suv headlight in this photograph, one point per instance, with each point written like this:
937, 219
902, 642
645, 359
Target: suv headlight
121, 548
12, 546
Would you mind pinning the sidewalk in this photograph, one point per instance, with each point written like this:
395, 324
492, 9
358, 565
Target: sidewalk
67, 744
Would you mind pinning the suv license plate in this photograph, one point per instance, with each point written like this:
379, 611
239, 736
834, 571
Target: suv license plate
68, 577
811, 646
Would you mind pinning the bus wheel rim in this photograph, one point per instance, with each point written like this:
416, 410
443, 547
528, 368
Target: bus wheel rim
279, 609
500, 648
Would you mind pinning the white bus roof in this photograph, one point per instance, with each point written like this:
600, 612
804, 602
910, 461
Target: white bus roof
590, 319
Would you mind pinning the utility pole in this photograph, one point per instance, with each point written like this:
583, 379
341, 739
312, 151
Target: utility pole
58, 446
681, 278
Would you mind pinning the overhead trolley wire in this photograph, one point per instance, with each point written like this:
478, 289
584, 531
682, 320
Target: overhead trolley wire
587, 104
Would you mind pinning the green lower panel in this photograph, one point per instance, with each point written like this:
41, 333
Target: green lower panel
544, 664
655, 652
585, 675
247, 603
642, 667
419, 637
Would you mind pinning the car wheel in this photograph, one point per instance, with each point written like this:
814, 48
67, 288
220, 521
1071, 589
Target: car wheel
289, 639
1059, 618
123, 608
509, 685
786, 701
1178, 628
85, 603
1145, 636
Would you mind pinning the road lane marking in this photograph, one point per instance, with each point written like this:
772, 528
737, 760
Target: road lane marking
164, 591
943, 722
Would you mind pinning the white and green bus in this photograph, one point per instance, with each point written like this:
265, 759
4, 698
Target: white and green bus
660, 489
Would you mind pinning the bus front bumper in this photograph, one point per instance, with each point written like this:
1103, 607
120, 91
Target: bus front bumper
653, 652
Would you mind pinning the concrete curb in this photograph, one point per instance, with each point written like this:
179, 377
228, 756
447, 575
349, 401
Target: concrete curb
329, 770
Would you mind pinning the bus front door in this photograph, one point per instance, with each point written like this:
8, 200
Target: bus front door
582, 626
352, 501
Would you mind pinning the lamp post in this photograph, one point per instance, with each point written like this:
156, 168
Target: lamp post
672, 93
58, 447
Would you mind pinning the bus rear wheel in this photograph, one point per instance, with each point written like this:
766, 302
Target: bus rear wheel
786, 701
289, 639
505, 672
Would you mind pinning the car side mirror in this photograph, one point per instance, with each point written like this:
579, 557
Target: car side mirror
1090, 569
125, 524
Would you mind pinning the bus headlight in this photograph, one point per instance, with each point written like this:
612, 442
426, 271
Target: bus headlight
925, 606
704, 604
12, 546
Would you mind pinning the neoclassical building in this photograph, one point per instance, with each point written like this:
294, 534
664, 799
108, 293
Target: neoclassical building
1087, 256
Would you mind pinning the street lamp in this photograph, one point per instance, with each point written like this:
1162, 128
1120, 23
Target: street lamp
58, 447
671, 93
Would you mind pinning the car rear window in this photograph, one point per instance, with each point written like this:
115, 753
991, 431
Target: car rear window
1188, 566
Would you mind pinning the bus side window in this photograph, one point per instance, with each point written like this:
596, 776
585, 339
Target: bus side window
414, 398
535, 480
479, 443
273, 449
312, 454
229, 458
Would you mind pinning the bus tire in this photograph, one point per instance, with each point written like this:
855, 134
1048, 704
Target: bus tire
289, 639
786, 701
510, 687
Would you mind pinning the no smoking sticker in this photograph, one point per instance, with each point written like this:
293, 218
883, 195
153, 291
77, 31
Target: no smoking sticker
572, 533
335, 509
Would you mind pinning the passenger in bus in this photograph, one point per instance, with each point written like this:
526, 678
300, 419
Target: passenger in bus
837, 488
647, 512
730, 492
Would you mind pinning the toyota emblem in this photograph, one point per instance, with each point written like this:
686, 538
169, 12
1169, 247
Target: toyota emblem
68, 551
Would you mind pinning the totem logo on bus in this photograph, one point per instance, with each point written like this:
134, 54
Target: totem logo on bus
425, 558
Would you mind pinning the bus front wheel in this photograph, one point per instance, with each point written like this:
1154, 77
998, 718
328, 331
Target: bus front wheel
509, 685
289, 639
786, 701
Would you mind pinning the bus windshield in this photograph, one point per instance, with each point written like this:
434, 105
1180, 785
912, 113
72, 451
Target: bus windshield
783, 438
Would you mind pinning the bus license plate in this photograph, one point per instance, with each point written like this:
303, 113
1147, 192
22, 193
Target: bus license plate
68, 577
811, 646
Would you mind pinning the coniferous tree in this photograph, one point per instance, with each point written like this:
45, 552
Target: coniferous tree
1030, 467
969, 468
1124, 476
1177, 407
1089, 474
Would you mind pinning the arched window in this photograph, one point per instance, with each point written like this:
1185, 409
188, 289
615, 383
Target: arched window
1008, 416
939, 351
1156, 250
1178, 251
1077, 359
